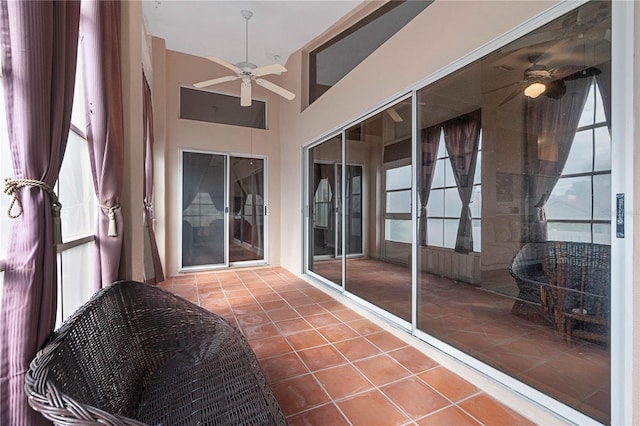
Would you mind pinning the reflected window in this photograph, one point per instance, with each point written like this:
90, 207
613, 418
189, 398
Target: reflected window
398, 204
579, 207
444, 205
322, 200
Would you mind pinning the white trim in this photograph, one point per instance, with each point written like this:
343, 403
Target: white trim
622, 177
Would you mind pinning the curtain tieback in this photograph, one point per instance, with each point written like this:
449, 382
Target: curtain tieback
113, 228
11, 188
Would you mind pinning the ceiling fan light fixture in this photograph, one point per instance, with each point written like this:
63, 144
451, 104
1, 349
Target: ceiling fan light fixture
535, 89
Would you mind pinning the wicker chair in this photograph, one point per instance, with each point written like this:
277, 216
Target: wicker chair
135, 355
570, 281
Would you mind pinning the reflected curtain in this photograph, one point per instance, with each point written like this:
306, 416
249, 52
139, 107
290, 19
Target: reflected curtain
551, 126
429, 140
462, 137
100, 26
604, 85
147, 112
39, 43
194, 169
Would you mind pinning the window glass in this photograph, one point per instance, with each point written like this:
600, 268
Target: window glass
399, 178
602, 233
571, 199
450, 232
435, 232
399, 202
398, 231
583, 192
562, 231
603, 149
588, 113
78, 116
452, 203
75, 190
602, 201
581, 156
329, 63
76, 276
211, 107
435, 205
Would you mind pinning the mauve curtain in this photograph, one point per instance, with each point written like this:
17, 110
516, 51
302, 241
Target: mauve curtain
100, 28
195, 166
39, 44
551, 126
147, 112
429, 140
462, 137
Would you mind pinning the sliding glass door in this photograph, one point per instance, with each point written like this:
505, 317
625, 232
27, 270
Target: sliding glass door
248, 207
489, 214
210, 237
325, 244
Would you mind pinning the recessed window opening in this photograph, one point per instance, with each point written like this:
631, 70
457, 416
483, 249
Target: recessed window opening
201, 105
330, 62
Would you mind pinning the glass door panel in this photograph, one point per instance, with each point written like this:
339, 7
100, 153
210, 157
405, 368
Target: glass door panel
378, 144
353, 209
324, 190
514, 263
204, 195
248, 208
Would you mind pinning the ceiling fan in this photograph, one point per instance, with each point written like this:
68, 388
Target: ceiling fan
539, 80
248, 72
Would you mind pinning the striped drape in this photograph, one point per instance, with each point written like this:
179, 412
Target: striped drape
100, 28
39, 42
147, 112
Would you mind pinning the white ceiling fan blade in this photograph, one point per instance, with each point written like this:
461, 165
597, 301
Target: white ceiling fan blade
276, 89
268, 69
224, 64
245, 93
213, 81
394, 115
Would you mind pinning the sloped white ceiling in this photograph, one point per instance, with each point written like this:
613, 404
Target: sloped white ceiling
217, 28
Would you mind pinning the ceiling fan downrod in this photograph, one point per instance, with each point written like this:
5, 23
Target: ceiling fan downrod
246, 14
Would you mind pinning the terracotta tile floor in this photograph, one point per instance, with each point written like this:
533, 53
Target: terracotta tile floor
327, 365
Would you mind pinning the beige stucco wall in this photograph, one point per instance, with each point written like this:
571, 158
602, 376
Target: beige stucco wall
131, 198
182, 69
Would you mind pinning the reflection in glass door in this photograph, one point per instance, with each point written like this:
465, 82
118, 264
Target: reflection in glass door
382, 276
210, 184
204, 195
248, 209
397, 214
323, 193
353, 209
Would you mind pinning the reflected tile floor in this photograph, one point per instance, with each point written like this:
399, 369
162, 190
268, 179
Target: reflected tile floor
327, 365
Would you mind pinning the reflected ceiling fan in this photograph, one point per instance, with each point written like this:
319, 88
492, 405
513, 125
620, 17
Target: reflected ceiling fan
585, 30
539, 80
247, 72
